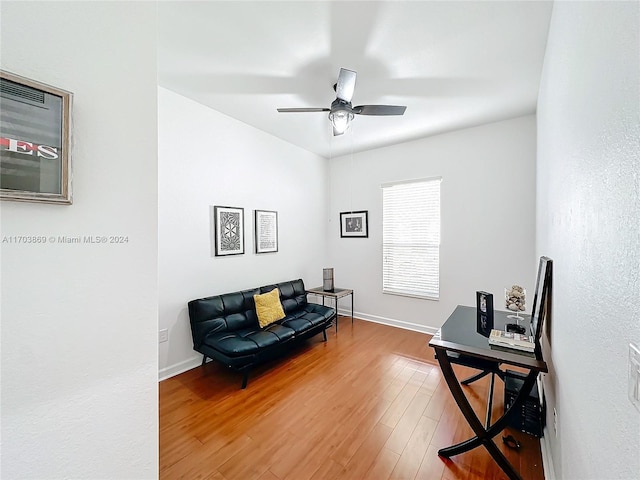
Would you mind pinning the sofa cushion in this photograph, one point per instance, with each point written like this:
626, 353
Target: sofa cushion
268, 307
314, 309
307, 318
292, 294
228, 312
247, 342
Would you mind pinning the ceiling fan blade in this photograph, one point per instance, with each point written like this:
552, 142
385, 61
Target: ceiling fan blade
336, 132
379, 109
295, 110
346, 84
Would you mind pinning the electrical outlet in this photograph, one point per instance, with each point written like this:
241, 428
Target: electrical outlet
163, 335
555, 421
634, 375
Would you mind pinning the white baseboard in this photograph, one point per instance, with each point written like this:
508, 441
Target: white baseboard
547, 460
178, 368
545, 445
389, 321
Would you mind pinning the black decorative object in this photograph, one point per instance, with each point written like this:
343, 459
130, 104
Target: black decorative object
484, 303
327, 280
515, 328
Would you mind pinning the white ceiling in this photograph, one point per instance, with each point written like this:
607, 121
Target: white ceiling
453, 64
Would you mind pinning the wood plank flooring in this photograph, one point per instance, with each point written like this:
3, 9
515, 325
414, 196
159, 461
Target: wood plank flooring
370, 403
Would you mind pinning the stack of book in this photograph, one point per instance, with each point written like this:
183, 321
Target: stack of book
512, 340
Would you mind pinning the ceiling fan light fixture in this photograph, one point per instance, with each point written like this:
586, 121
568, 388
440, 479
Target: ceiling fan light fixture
342, 112
341, 119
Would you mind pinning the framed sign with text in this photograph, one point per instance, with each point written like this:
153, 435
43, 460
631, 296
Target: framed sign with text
35, 141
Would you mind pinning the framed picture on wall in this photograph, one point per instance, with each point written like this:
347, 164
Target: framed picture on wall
266, 231
354, 224
35, 141
229, 230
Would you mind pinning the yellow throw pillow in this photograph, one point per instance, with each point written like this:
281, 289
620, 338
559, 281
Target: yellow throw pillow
268, 307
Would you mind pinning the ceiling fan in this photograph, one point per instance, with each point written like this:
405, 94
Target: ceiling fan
342, 112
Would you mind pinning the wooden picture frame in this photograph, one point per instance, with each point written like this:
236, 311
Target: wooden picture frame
35, 141
228, 231
266, 231
354, 224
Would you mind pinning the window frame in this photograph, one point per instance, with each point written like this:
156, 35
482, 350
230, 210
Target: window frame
427, 294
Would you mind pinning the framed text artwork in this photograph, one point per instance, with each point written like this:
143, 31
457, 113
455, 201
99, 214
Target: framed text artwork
354, 224
35, 141
266, 231
229, 230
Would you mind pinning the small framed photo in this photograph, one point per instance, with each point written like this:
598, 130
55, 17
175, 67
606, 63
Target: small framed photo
484, 305
266, 231
35, 141
354, 224
229, 230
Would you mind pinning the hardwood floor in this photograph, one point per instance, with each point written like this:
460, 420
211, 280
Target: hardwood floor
370, 403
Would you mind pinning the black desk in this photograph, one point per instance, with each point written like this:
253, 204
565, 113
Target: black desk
460, 338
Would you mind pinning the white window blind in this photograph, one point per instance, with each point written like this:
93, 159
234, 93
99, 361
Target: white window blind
411, 238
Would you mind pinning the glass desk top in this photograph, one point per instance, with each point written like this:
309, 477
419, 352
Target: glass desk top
464, 333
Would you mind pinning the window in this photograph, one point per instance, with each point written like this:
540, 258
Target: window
411, 238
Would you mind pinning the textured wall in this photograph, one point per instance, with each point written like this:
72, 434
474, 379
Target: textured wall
588, 221
79, 321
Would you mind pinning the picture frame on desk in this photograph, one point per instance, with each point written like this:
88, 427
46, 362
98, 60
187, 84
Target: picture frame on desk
484, 306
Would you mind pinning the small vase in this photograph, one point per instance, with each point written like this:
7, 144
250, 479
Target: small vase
515, 299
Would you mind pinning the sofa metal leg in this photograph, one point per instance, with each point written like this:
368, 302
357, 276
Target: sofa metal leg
324, 334
204, 360
245, 378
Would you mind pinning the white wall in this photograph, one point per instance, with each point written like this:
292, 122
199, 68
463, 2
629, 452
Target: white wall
487, 210
79, 321
206, 159
587, 220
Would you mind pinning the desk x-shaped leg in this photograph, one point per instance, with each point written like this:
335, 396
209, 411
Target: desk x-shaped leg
484, 436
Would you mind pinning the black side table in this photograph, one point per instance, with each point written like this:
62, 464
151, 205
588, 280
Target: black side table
336, 293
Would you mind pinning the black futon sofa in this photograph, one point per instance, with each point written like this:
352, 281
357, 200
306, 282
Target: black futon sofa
225, 327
